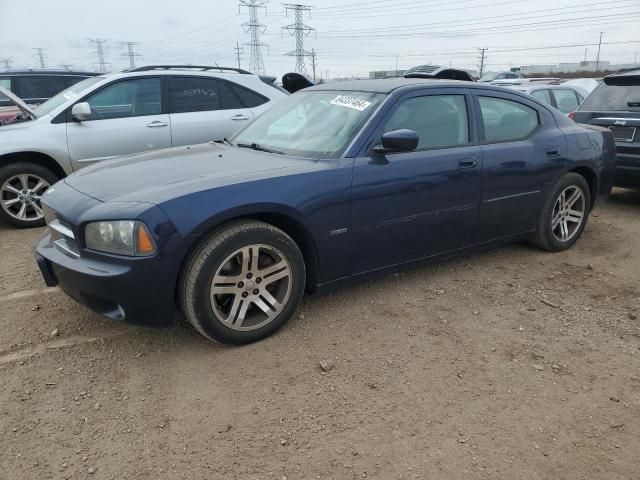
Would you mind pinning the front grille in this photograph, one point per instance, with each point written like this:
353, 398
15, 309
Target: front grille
62, 235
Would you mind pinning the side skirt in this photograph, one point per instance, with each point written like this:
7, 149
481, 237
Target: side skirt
422, 261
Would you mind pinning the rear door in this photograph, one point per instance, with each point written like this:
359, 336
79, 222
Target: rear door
522, 151
203, 109
127, 117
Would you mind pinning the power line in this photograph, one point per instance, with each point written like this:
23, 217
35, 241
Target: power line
100, 53
299, 30
39, 52
255, 28
131, 53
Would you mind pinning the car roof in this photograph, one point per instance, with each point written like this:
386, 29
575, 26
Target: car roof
29, 71
388, 85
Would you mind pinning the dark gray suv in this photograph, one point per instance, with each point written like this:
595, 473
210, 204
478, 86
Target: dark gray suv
615, 104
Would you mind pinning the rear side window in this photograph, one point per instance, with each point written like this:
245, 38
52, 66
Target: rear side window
439, 120
505, 120
250, 98
192, 94
566, 100
5, 83
613, 98
228, 100
39, 87
542, 95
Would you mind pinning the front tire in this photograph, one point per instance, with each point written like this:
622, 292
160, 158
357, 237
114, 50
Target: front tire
22, 185
243, 283
564, 215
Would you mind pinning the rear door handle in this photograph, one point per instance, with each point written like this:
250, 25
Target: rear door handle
467, 163
156, 124
240, 117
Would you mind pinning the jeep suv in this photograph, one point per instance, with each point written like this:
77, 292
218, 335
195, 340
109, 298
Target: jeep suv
615, 104
35, 87
107, 116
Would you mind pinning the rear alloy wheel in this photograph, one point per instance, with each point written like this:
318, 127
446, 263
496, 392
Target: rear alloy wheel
564, 214
21, 188
243, 283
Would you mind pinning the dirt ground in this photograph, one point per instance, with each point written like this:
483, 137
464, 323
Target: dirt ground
510, 364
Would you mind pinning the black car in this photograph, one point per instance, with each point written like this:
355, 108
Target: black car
38, 86
615, 104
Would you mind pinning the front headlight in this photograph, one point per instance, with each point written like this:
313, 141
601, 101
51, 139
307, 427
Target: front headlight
122, 237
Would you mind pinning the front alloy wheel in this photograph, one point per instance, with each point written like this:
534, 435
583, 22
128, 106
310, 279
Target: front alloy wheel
243, 282
20, 197
22, 185
251, 287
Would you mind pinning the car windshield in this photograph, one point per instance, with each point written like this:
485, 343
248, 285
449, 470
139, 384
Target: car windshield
614, 98
489, 77
69, 94
311, 124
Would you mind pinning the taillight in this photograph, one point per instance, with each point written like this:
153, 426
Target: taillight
572, 116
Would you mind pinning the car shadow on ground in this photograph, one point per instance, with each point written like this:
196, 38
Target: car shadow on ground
625, 197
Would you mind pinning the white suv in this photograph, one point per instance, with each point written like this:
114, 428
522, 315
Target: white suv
111, 115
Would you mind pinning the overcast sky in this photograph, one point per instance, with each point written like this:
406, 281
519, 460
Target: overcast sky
352, 36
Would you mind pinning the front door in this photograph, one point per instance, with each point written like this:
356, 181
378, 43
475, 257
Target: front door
407, 206
126, 117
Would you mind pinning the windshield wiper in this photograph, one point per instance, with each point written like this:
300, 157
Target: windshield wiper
256, 146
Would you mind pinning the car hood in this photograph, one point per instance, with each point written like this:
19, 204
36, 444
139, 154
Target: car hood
157, 176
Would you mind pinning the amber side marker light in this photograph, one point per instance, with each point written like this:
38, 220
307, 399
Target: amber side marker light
144, 243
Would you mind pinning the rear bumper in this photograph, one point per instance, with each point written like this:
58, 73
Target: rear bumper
134, 291
628, 171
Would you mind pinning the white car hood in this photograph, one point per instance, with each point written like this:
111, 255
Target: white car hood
18, 103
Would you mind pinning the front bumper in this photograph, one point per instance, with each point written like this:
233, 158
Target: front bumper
133, 291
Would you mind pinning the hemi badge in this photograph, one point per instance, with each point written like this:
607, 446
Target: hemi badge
339, 231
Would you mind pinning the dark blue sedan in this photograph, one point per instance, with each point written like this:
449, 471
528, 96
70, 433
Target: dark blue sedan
336, 182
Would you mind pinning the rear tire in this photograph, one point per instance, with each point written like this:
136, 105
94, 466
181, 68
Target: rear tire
242, 283
22, 185
564, 215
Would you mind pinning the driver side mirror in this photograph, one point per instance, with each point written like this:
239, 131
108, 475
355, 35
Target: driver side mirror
81, 111
397, 141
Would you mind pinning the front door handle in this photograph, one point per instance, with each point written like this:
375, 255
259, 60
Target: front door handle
239, 117
467, 163
156, 124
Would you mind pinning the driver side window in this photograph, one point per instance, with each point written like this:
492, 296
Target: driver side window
130, 98
439, 120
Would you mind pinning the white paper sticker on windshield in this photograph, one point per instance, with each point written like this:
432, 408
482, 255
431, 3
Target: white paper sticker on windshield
350, 102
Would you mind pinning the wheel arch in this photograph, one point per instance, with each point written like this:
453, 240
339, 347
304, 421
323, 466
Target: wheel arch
34, 157
286, 221
592, 180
